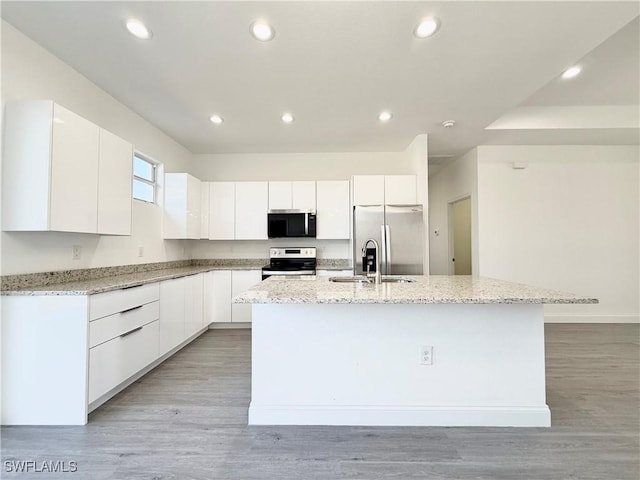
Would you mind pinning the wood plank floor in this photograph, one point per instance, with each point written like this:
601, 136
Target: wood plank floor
187, 420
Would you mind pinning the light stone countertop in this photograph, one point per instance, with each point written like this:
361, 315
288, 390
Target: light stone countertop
434, 289
116, 282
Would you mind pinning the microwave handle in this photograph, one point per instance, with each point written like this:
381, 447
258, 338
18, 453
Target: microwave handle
306, 224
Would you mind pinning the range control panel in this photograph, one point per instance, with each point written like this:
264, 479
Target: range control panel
292, 252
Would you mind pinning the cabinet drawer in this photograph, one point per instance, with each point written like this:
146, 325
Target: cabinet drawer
106, 328
108, 303
114, 361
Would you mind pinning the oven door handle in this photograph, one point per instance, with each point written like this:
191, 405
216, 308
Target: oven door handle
289, 272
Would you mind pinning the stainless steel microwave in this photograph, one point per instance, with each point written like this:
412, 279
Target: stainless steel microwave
291, 223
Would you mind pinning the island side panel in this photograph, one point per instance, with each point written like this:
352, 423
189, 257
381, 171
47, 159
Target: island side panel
353, 364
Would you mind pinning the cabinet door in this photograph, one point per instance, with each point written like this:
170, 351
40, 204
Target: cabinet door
74, 173
368, 189
172, 313
114, 185
279, 195
303, 195
252, 203
242, 280
217, 296
193, 207
400, 190
204, 210
193, 307
222, 211
333, 210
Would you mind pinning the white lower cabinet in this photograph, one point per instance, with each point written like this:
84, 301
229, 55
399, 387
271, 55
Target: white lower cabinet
242, 280
114, 361
123, 336
172, 299
220, 288
334, 273
217, 307
193, 304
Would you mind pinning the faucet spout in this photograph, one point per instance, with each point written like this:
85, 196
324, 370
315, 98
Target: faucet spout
378, 277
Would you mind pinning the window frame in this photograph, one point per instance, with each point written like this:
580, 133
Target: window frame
155, 184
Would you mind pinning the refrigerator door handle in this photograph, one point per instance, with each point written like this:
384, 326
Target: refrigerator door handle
383, 252
387, 242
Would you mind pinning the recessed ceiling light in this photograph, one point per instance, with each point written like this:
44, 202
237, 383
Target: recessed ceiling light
449, 123
571, 72
427, 27
138, 29
262, 31
287, 117
217, 119
385, 116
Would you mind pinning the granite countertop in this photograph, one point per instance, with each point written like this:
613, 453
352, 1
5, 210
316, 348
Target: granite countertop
435, 289
98, 280
72, 283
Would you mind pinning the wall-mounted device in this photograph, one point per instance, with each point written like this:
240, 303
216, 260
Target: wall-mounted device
291, 223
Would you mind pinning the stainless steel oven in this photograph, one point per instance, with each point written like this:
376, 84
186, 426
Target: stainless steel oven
290, 261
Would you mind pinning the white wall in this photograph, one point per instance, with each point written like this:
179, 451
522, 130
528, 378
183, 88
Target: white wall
569, 221
298, 166
30, 72
455, 180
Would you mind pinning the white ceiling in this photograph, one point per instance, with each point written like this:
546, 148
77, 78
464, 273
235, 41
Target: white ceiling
336, 65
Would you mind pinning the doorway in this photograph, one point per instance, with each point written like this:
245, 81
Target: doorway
460, 237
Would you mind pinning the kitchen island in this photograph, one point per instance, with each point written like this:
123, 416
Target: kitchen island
443, 350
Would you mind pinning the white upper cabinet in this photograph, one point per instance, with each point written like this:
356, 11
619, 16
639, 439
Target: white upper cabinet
292, 195
279, 195
222, 210
252, 203
303, 195
368, 189
384, 190
333, 218
400, 190
181, 206
204, 210
63, 173
114, 185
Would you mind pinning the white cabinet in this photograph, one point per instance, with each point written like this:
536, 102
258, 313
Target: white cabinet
252, 203
300, 195
384, 190
333, 210
220, 288
181, 206
194, 304
334, 273
204, 209
242, 280
222, 210
400, 190
217, 306
123, 336
368, 189
63, 173
114, 185
172, 314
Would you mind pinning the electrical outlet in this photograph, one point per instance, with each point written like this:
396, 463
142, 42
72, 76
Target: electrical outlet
140, 251
426, 355
77, 252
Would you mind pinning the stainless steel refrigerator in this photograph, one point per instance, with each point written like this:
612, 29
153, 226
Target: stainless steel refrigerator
399, 232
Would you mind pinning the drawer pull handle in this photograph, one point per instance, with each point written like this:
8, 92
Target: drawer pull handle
130, 332
132, 286
131, 309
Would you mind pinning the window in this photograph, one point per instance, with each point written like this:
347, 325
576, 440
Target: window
145, 179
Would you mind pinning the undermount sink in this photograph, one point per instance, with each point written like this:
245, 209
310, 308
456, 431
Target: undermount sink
360, 279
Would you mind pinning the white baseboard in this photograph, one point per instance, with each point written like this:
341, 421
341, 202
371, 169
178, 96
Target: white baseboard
223, 325
388, 415
623, 318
